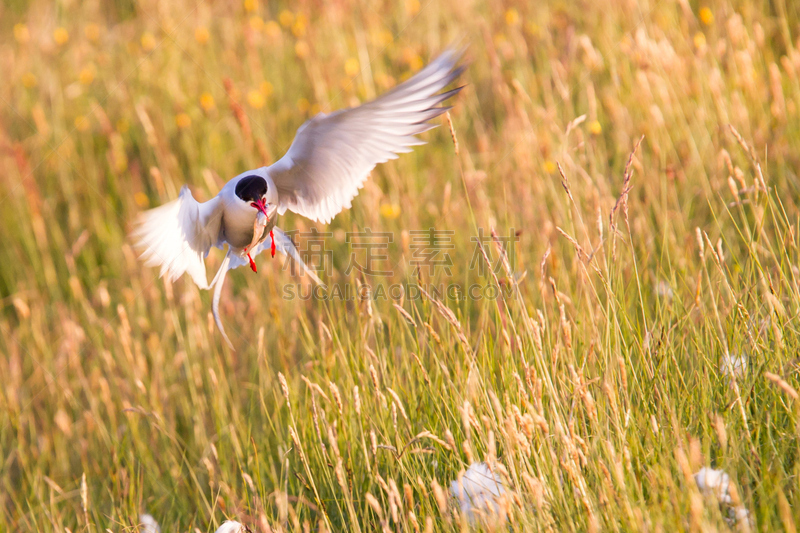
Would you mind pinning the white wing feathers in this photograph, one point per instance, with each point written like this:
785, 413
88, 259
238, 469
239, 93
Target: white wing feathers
332, 155
178, 235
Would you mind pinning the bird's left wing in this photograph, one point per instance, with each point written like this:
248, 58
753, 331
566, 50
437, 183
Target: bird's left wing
332, 155
177, 236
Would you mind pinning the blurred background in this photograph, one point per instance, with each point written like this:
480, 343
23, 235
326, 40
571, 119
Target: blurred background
119, 396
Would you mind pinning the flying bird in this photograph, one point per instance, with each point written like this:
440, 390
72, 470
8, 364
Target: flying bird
327, 163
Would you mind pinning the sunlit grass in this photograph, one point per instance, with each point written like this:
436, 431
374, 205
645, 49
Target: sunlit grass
647, 327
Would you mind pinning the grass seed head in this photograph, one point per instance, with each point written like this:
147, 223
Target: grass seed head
438, 495
373, 374
375, 504
356, 400
337, 398
284, 386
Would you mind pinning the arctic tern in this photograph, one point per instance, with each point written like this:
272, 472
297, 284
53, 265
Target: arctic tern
327, 163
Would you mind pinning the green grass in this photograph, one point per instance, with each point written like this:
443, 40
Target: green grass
595, 386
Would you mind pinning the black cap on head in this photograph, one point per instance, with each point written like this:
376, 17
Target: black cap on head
251, 188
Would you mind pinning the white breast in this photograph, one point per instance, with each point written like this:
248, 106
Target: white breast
238, 221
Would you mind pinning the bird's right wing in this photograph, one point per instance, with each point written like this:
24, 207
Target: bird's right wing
332, 155
177, 236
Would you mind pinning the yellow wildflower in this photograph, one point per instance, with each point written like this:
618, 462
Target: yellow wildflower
390, 211
512, 17
183, 121
255, 99
60, 36
272, 29
29, 80
86, 76
266, 89
207, 101
299, 26
385, 37
256, 23
250, 5
286, 18
549, 166
21, 33
595, 128
699, 40
302, 49
303, 105
412, 59
201, 34
706, 16
148, 41
141, 199
351, 67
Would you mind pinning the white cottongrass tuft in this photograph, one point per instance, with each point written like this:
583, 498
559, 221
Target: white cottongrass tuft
231, 526
664, 290
715, 482
733, 365
739, 515
477, 492
148, 524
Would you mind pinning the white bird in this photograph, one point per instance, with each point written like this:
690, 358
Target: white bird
328, 162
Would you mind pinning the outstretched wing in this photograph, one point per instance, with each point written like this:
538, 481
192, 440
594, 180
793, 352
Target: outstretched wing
332, 155
177, 236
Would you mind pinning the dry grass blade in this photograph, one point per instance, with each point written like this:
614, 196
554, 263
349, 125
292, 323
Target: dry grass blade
783, 384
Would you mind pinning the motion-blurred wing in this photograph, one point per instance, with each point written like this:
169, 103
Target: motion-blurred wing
178, 235
332, 155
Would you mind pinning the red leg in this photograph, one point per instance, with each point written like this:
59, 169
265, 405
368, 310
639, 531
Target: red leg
252, 263
272, 248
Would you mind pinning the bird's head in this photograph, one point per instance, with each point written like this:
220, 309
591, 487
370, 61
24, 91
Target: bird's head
257, 191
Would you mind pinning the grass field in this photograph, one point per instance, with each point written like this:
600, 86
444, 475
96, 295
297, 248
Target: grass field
645, 319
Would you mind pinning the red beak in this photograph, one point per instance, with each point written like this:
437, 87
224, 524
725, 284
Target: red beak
261, 206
